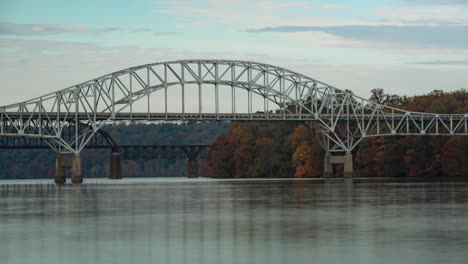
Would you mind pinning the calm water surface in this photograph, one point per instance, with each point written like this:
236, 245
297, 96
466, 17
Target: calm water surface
207, 221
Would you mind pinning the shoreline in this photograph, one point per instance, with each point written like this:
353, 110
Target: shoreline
141, 180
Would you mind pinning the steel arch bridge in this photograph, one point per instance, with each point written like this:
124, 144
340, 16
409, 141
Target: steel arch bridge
233, 90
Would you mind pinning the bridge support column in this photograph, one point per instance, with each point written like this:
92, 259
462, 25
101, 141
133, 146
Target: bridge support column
327, 166
77, 176
193, 168
115, 166
348, 171
330, 161
59, 170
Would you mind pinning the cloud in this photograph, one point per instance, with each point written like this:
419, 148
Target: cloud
397, 36
32, 68
275, 5
154, 32
166, 33
139, 30
436, 2
427, 15
51, 65
212, 13
7, 28
105, 30
14, 29
448, 62
262, 13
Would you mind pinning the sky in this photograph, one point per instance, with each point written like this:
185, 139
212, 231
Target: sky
406, 47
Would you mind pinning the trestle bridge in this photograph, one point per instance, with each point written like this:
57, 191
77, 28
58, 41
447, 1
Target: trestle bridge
102, 140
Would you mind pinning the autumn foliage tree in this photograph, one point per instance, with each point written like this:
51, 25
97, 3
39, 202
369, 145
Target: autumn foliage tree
252, 150
308, 155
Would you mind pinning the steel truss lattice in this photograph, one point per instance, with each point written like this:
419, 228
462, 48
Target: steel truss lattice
344, 119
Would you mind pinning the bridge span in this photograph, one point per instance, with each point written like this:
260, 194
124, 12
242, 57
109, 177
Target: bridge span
215, 90
191, 153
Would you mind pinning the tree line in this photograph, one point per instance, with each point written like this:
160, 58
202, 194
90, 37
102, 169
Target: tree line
292, 150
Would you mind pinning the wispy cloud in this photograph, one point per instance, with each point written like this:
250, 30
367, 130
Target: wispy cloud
104, 30
7, 28
436, 2
448, 62
211, 13
264, 12
166, 33
419, 36
140, 30
155, 32
426, 15
51, 65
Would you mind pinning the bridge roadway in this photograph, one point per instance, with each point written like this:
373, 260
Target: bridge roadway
257, 116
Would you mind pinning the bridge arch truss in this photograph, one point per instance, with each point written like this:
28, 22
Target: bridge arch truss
234, 90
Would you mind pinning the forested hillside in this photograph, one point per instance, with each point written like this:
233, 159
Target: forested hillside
287, 150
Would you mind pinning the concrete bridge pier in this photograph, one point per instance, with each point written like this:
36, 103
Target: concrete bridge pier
328, 167
77, 175
115, 165
330, 161
62, 162
59, 170
192, 168
348, 171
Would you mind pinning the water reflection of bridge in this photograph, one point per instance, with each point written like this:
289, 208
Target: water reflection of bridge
233, 222
196, 222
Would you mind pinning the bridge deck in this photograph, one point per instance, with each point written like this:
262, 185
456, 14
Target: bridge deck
259, 116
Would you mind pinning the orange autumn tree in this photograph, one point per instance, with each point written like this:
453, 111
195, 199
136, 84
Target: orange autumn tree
307, 158
232, 153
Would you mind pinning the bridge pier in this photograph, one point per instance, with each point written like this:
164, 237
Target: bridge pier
77, 176
348, 171
115, 165
61, 162
59, 170
327, 167
330, 161
192, 168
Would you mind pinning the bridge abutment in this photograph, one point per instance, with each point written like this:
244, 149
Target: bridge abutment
115, 165
330, 161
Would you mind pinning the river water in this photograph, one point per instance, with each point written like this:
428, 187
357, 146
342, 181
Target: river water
228, 221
